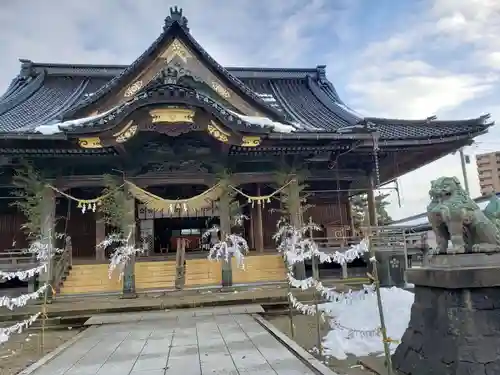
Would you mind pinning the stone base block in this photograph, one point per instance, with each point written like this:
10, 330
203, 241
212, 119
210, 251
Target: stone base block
453, 330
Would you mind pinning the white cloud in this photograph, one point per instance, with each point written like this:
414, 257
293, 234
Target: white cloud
243, 32
413, 89
441, 61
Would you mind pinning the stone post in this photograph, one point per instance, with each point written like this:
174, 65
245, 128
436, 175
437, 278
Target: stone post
180, 256
129, 230
295, 213
48, 235
390, 257
100, 235
259, 233
225, 229
454, 327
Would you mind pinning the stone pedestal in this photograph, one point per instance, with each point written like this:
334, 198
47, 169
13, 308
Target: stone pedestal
455, 320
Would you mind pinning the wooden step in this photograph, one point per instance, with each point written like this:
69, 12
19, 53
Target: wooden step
91, 278
155, 275
202, 272
88, 290
259, 268
96, 282
156, 284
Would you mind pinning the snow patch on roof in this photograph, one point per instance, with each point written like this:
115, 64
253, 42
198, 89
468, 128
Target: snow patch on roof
270, 100
266, 123
58, 127
349, 110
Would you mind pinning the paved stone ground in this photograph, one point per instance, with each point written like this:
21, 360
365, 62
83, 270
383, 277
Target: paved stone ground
155, 301
230, 344
88, 305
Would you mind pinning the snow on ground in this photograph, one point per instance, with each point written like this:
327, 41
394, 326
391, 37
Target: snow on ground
363, 315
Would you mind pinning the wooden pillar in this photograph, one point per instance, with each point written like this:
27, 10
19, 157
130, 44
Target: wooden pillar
353, 234
100, 236
251, 238
180, 256
48, 236
350, 217
225, 229
372, 210
295, 213
372, 219
129, 231
258, 231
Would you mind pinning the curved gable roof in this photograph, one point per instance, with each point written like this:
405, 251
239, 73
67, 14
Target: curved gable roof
176, 26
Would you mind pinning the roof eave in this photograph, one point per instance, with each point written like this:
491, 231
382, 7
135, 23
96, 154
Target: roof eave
318, 136
34, 136
370, 136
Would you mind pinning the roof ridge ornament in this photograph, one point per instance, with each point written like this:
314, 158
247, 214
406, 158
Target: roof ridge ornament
27, 68
321, 72
176, 16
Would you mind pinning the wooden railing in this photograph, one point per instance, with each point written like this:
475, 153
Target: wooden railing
16, 259
62, 263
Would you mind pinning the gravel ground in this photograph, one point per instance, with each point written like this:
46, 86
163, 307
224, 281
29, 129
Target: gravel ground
306, 336
24, 349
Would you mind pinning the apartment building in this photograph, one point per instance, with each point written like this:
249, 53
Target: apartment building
488, 169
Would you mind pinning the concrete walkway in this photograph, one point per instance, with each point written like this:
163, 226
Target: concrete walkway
208, 342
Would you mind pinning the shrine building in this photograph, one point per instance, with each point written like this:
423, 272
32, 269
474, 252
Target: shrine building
169, 125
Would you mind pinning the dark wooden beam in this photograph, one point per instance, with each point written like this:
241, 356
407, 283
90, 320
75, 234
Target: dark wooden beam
207, 179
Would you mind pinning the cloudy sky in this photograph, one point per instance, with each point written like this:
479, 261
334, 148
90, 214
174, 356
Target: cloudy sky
394, 58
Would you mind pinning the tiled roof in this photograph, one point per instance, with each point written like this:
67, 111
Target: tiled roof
46, 92
297, 93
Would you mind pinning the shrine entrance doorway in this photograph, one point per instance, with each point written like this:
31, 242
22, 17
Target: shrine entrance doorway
161, 231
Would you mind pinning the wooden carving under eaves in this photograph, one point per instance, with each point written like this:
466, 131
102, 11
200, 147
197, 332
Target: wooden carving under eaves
105, 139
172, 121
178, 55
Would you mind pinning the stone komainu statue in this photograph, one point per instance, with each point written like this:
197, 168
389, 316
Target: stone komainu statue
455, 217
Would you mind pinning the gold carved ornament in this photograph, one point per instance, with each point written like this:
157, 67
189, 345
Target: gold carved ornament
172, 115
219, 89
126, 133
250, 141
133, 89
216, 132
176, 49
90, 142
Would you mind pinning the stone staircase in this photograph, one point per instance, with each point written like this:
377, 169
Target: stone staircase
155, 275
90, 278
260, 269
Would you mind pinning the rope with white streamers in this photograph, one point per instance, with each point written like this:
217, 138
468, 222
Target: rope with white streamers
24, 275
5, 333
233, 246
14, 302
298, 248
43, 251
121, 255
